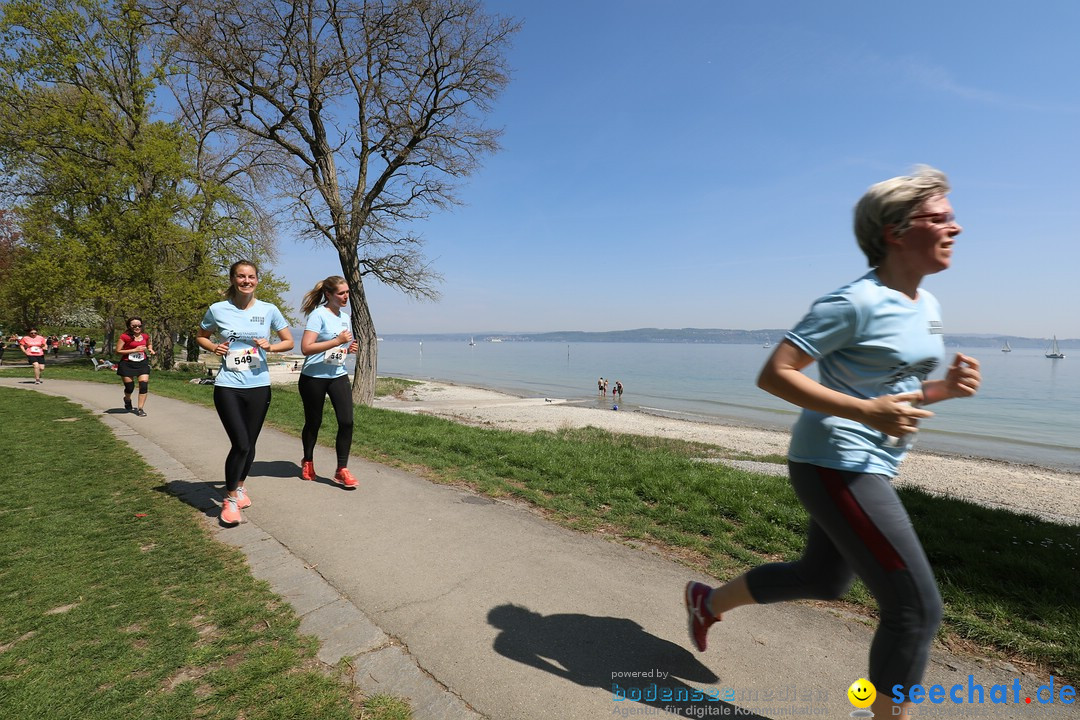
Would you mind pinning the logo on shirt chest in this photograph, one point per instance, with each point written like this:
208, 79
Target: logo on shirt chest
935, 327
257, 319
918, 369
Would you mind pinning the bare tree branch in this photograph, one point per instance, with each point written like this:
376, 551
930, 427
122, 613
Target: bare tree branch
374, 109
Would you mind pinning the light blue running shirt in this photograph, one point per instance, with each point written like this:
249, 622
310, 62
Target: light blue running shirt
326, 325
868, 340
245, 364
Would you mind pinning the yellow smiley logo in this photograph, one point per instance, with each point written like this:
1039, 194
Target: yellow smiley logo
862, 693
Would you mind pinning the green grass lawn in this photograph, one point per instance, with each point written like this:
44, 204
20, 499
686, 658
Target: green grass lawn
117, 602
1008, 580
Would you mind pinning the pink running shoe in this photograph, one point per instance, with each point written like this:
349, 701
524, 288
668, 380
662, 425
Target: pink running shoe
230, 513
307, 469
700, 618
242, 499
345, 478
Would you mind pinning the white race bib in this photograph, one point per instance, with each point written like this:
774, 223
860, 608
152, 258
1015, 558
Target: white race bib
336, 357
137, 356
244, 360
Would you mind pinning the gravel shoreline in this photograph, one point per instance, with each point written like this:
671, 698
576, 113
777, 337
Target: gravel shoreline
1049, 494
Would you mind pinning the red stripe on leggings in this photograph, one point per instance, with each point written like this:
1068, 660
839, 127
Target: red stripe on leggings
860, 522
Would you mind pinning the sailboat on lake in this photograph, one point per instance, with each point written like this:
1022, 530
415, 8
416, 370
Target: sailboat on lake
1005, 347
1054, 352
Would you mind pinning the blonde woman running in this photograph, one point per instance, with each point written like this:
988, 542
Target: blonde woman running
327, 341
875, 341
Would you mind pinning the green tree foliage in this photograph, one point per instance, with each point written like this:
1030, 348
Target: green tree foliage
46, 273
115, 211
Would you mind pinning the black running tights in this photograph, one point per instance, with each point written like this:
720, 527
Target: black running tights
242, 412
313, 392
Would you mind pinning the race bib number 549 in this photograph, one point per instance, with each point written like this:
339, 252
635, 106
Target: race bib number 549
243, 360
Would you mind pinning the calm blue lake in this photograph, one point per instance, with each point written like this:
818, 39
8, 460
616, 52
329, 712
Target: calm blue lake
1028, 409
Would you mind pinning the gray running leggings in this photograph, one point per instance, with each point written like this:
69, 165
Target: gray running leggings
858, 526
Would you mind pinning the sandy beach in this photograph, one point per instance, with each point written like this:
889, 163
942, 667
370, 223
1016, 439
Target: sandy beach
1049, 494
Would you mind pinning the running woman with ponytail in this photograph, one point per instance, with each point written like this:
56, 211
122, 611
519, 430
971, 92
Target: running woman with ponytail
134, 348
326, 342
242, 386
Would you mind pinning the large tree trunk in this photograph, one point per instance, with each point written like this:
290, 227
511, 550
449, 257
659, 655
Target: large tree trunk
163, 345
109, 339
363, 330
192, 347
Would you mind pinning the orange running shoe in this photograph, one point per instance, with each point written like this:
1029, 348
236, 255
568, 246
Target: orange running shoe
307, 469
242, 499
345, 478
230, 513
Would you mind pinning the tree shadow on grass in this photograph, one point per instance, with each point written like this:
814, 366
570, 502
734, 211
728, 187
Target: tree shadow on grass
604, 652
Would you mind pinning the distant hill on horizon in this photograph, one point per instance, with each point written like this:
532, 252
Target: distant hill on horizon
703, 335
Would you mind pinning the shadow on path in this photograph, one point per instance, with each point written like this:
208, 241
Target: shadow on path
276, 468
202, 495
603, 652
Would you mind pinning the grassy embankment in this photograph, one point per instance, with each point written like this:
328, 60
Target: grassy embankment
118, 604
1008, 580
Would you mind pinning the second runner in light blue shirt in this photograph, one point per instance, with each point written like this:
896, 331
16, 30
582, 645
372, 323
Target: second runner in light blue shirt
327, 325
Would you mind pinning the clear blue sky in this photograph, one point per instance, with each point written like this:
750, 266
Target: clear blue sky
695, 163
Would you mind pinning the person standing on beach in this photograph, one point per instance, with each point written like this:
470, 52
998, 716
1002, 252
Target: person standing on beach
242, 385
135, 348
600, 387
326, 342
33, 346
875, 340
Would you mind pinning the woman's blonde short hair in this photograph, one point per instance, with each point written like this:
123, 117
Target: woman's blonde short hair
891, 202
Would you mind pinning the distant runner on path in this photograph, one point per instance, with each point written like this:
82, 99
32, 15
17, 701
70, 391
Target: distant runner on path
33, 346
135, 348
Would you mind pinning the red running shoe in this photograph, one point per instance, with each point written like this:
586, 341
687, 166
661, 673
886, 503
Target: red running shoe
307, 469
345, 478
230, 513
700, 618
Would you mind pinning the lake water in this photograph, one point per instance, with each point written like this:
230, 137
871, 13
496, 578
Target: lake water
1028, 409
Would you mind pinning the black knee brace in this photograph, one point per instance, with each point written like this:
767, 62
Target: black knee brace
129, 387
144, 387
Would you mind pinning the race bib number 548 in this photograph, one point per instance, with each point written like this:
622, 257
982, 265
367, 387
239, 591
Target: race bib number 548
336, 356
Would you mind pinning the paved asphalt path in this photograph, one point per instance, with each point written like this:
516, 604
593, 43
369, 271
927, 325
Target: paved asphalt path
476, 608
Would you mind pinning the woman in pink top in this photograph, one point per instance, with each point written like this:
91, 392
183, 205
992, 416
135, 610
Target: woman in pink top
33, 346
